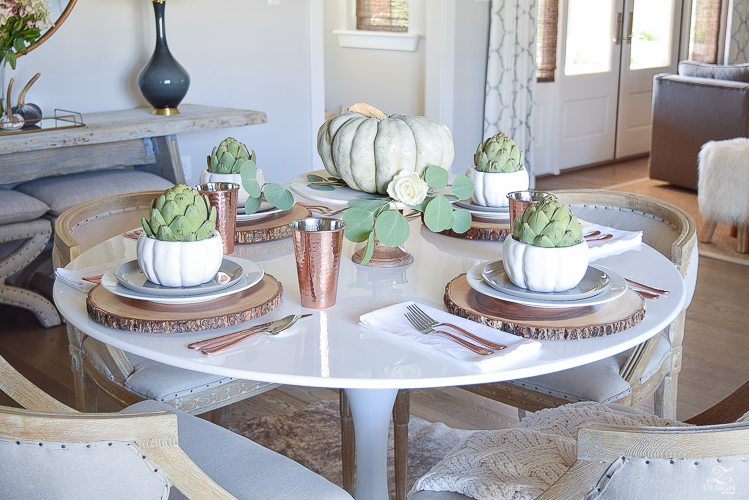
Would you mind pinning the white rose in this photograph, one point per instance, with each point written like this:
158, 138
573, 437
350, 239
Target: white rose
408, 188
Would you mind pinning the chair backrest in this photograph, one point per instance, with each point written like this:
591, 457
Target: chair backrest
87, 224
51, 451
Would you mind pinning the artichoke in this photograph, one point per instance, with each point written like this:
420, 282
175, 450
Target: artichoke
181, 214
549, 224
498, 153
229, 157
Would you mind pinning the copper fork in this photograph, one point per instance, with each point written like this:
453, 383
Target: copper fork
431, 322
425, 329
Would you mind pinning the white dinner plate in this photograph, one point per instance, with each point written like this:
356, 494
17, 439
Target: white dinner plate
594, 282
130, 276
616, 289
264, 210
473, 208
251, 275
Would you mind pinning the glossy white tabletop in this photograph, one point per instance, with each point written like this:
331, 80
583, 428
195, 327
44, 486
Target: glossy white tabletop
330, 349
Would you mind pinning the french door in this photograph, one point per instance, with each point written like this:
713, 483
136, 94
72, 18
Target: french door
610, 51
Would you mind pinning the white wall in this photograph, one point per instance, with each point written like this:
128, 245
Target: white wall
242, 54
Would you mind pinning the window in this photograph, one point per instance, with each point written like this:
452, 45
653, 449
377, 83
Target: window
704, 31
546, 40
382, 15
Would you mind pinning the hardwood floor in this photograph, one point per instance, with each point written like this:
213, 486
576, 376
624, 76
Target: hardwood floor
714, 356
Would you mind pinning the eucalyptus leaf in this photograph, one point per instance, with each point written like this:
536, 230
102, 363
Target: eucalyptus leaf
314, 178
438, 215
359, 224
251, 205
368, 205
392, 228
278, 196
373, 196
436, 177
451, 198
461, 221
423, 205
462, 187
369, 249
321, 187
249, 178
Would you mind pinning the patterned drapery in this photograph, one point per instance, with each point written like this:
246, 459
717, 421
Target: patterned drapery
739, 33
511, 73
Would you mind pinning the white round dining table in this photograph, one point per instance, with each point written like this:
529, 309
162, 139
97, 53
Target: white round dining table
330, 349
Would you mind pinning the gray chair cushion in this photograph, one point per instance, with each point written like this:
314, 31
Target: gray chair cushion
242, 467
19, 207
78, 471
63, 191
733, 72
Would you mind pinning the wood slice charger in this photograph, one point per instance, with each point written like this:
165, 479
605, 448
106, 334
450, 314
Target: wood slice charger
143, 316
483, 229
572, 323
272, 227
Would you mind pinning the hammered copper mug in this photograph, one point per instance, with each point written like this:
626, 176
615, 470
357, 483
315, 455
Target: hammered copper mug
317, 246
520, 200
223, 196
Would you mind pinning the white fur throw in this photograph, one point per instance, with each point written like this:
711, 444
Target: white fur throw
522, 462
723, 187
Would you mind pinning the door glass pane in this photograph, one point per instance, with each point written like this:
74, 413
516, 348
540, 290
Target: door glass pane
589, 26
651, 34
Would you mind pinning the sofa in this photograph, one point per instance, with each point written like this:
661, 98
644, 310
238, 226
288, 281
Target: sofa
703, 102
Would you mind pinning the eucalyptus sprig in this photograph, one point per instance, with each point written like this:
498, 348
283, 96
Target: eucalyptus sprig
275, 194
373, 216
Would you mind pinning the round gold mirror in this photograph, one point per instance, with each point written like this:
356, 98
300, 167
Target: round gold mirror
59, 11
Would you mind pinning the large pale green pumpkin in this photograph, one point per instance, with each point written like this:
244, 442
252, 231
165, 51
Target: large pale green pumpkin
366, 148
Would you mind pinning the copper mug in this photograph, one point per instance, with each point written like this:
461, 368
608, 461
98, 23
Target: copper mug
520, 200
223, 196
317, 246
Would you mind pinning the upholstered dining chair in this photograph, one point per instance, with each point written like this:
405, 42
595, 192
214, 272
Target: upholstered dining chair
619, 462
125, 377
651, 368
48, 450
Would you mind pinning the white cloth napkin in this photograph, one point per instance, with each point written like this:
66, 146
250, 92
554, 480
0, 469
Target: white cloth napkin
75, 278
391, 323
621, 241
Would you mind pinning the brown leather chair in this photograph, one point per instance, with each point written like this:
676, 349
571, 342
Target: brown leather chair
704, 102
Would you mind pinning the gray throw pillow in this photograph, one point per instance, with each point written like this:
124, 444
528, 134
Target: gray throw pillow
19, 207
734, 72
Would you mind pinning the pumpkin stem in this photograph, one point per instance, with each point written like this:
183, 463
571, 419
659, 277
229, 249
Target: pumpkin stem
7, 99
22, 95
367, 110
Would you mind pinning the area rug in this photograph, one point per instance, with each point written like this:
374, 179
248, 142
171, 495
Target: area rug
312, 437
722, 246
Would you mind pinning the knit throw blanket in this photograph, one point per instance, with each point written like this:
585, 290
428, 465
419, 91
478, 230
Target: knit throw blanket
522, 462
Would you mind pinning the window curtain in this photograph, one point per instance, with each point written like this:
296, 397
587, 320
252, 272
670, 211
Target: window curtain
705, 29
511, 73
382, 15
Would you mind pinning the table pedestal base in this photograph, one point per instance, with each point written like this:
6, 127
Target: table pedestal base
371, 410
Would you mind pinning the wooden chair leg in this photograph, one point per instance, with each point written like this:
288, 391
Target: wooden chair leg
348, 444
665, 397
220, 416
86, 393
734, 231
401, 416
706, 232
743, 243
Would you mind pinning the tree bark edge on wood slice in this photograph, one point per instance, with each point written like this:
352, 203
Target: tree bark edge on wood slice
272, 227
544, 324
141, 316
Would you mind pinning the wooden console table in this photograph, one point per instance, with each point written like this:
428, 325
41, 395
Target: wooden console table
113, 138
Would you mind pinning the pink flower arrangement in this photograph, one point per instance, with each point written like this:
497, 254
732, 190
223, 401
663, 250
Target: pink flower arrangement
21, 24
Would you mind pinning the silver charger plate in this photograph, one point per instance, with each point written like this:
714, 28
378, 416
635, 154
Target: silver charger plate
251, 275
130, 276
499, 213
264, 210
617, 287
594, 282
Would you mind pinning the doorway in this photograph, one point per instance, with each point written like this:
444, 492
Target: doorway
610, 51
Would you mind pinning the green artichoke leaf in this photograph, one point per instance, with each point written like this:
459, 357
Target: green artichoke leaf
462, 187
554, 231
180, 227
436, 177
203, 204
527, 235
543, 241
206, 230
184, 200
193, 217
392, 228
213, 215
146, 227
156, 221
562, 215
165, 234
158, 203
517, 228
438, 214
538, 221
567, 240
170, 210
359, 224
576, 228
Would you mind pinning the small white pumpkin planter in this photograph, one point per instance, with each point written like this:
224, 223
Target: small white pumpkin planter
543, 269
180, 263
491, 188
206, 177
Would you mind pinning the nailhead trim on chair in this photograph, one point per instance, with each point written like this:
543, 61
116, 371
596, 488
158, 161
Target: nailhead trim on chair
107, 214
